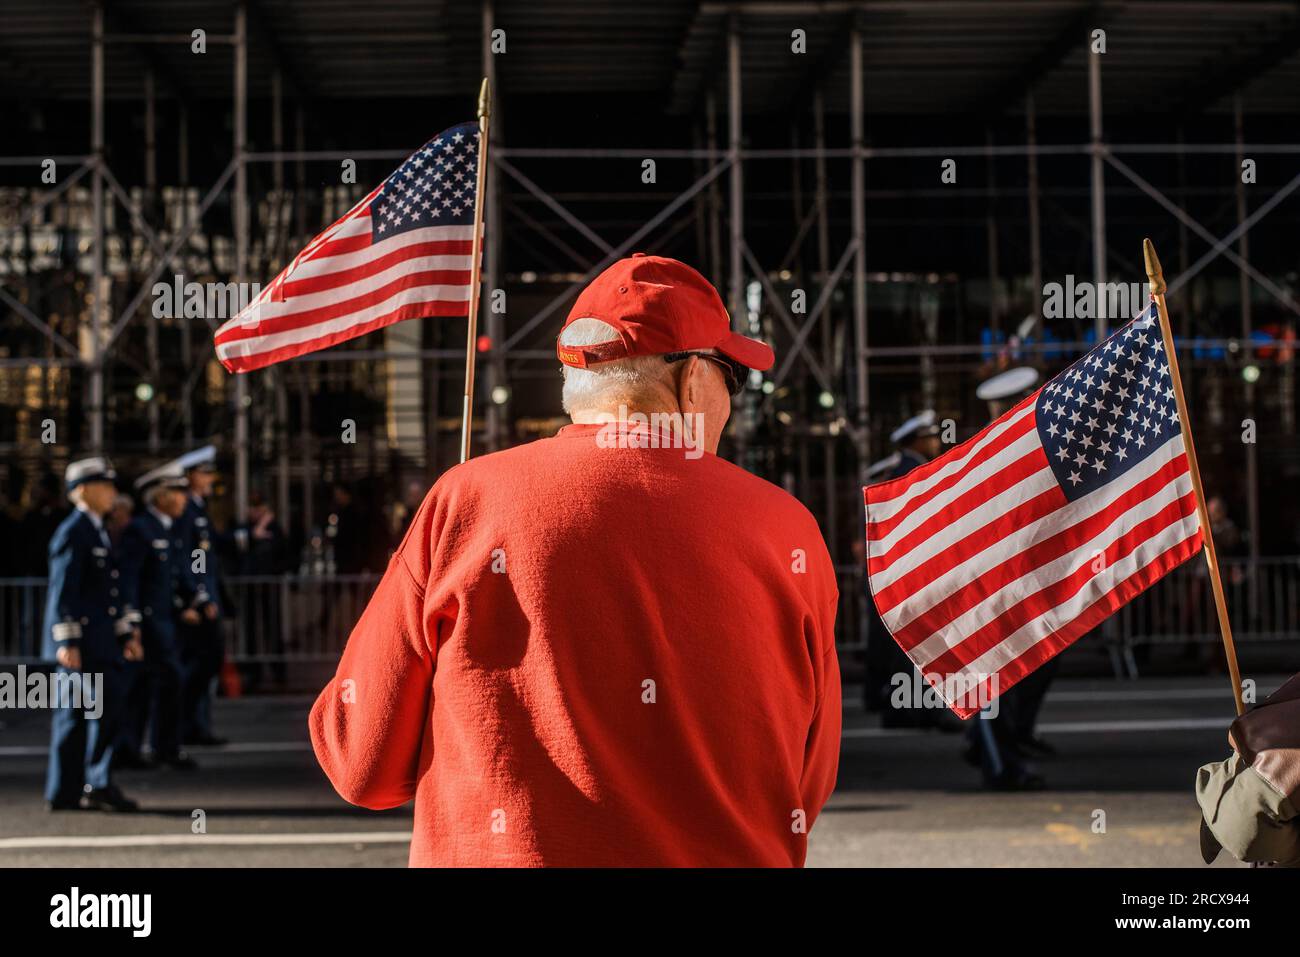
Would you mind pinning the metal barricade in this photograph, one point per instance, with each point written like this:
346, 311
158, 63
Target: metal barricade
273, 619
294, 617
282, 619
22, 613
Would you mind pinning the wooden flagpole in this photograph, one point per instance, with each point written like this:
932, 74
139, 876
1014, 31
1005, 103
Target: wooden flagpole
476, 260
1157, 279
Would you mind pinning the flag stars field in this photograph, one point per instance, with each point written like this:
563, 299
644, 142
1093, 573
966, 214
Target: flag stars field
1145, 402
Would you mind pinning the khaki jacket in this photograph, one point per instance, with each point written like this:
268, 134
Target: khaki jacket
1249, 802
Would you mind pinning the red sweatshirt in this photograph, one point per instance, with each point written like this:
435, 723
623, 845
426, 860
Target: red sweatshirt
595, 656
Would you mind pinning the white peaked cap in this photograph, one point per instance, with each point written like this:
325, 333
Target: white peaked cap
170, 475
95, 469
922, 423
192, 460
1009, 383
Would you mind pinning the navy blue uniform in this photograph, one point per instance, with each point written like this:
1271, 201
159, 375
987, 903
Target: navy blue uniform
157, 583
86, 610
907, 460
201, 644
884, 658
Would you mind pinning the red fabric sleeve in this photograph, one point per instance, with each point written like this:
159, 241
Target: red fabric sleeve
822, 755
367, 726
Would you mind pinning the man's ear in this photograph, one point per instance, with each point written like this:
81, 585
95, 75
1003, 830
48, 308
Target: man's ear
688, 388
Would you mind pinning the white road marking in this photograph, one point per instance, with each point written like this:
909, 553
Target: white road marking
205, 840
238, 747
853, 700
253, 747
1073, 727
1168, 694
1159, 724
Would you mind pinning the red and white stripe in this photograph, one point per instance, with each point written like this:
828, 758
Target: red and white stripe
982, 569
343, 286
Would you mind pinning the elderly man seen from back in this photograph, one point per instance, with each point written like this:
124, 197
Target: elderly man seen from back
609, 647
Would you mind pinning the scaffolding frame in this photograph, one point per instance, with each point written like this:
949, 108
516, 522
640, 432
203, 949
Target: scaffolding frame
721, 162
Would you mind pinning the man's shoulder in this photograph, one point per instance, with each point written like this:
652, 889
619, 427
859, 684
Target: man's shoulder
73, 528
759, 493
557, 459
549, 456
546, 453
492, 466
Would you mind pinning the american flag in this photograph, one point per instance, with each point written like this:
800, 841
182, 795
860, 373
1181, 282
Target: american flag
403, 252
994, 557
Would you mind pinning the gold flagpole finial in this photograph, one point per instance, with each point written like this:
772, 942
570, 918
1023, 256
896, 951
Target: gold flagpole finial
1155, 275
484, 100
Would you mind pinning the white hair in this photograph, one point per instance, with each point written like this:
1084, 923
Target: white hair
602, 386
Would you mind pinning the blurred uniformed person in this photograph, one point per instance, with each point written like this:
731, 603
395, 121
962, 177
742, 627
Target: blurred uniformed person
1001, 740
916, 442
159, 585
88, 631
202, 647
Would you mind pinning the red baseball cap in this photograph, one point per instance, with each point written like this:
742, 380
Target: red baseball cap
657, 306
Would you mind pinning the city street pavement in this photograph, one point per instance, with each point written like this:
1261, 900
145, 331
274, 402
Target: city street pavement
1128, 756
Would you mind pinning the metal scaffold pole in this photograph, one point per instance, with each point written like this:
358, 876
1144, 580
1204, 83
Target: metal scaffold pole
151, 199
736, 290
240, 208
1035, 226
736, 300
280, 385
858, 203
1247, 329
1098, 186
96, 297
823, 276
991, 236
714, 204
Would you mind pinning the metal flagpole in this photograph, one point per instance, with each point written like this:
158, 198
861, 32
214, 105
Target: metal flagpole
476, 260
1157, 279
